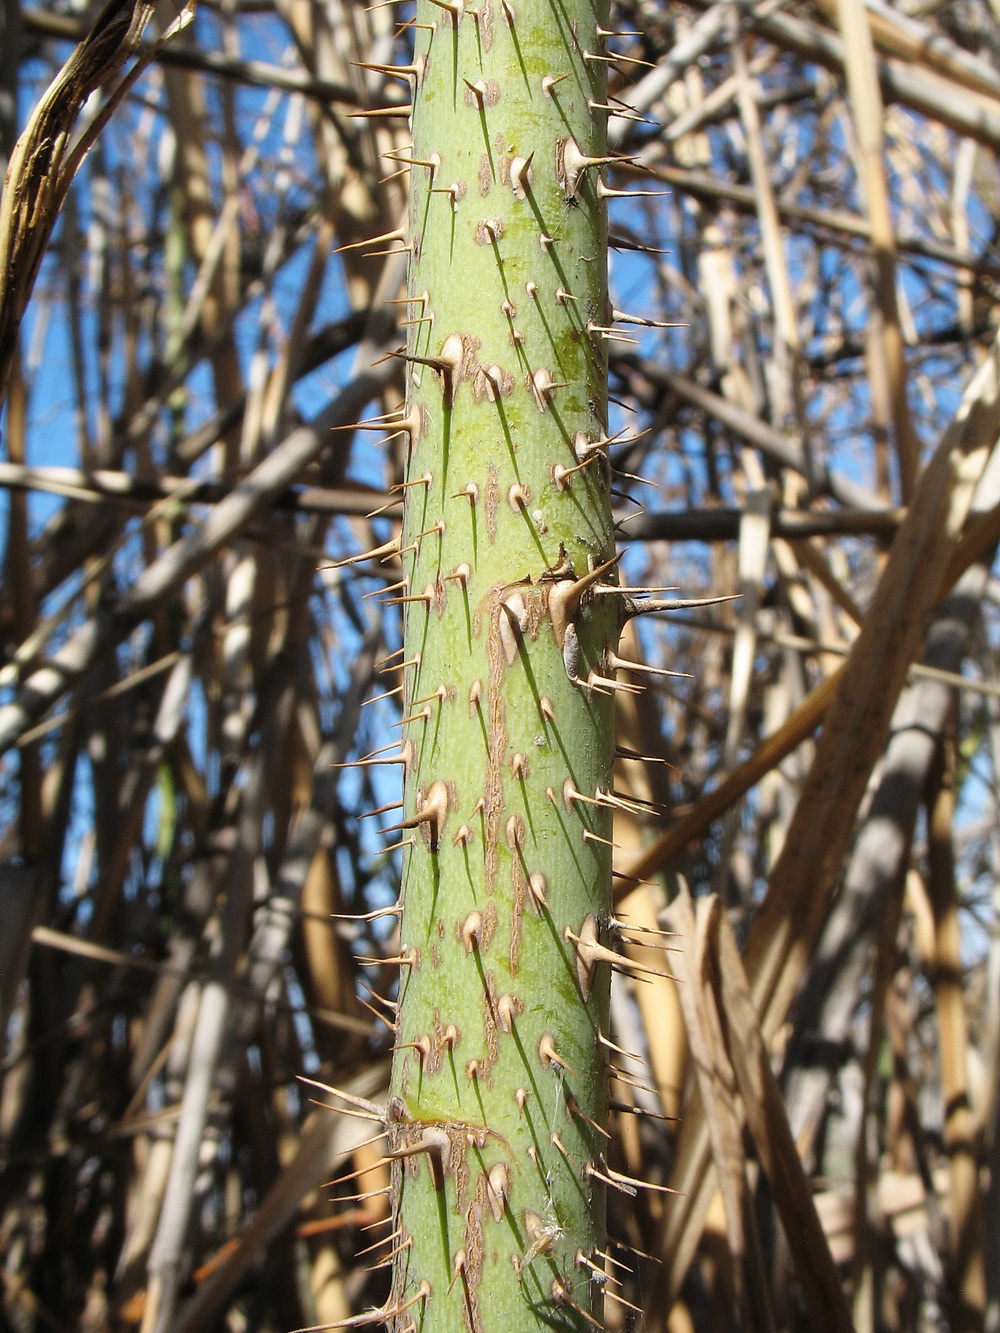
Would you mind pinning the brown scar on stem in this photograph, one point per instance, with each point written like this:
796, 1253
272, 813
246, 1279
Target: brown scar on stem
475, 1250
491, 1031
496, 732
492, 502
520, 886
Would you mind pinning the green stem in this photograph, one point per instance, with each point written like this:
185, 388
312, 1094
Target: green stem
499, 1078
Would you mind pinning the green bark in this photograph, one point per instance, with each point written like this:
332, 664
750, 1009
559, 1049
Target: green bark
499, 1077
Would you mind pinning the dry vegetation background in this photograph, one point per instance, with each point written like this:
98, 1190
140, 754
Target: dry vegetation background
188, 662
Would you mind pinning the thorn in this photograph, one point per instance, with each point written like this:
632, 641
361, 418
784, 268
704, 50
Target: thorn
382, 592
616, 923
470, 491
460, 574
453, 191
376, 698
594, 952
397, 234
367, 916
371, 763
454, 7
432, 812
378, 1315
508, 1008
537, 886
433, 1142
387, 1004
605, 1040
405, 72
612, 802
632, 1249
543, 386
618, 242
423, 298
431, 163
448, 364
575, 163
610, 60
393, 1235
360, 1104
425, 480
360, 1198
382, 809
630, 1081
472, 929
546, 709
604, 685
574, 1109
633, 1182
492, 229
395, 111
413, 661
520, 175
616, 1263
586, 961
633, 476
620, 317
380, 1018
610, 335
622, 111
516, 497
549, 1055
478, 91
371, 755
398, 960
639, 608
362, 1170
384, 509
581, 1261
606, 192
514, 832
440, 694
498, 1189
395, 847
382, 552
627, 1108
558, 1144
560, 1295
458, 1267
550, 81
610, 1295
566, 595
593, 837
593, 1172
623, 752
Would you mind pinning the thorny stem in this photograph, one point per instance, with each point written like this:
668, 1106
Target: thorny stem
499, 1078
